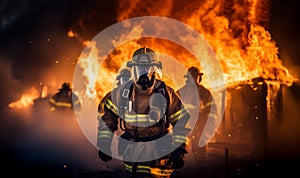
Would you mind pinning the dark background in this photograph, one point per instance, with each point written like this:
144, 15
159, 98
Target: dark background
33, 36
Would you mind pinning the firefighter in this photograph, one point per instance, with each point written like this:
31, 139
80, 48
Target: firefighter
122, 78
207, 111
65, 99
152, 117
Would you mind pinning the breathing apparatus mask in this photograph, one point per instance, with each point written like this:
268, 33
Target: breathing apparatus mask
145, 67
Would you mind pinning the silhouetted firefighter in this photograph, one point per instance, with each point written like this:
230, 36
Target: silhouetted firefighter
65, 99
207, 111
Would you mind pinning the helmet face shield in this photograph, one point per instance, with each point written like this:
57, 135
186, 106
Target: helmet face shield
145, 67
140, 70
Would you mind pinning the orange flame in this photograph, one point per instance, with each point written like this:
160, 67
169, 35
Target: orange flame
26, 99
236, 30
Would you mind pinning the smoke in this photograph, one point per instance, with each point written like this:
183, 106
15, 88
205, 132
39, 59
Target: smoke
32, 138
284, 28
35, 50
34, 37
37, 141
57, 139
284, 142
11, 12
10, 83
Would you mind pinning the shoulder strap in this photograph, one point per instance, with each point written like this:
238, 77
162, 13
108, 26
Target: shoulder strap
125, 92
161, 88
121, 96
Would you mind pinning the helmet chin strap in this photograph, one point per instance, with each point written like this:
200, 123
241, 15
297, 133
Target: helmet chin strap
145, 82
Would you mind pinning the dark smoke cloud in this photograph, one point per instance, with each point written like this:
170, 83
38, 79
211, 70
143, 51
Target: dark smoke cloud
285, 30
11, 12
34, 34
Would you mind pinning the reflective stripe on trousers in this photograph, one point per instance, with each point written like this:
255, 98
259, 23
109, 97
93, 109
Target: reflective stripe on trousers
150, 170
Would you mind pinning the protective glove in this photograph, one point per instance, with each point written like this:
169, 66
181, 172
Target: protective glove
105, 157
177, 158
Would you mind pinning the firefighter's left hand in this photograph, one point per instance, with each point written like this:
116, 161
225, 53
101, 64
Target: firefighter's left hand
177, 158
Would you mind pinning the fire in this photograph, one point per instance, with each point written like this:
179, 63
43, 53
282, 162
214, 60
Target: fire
26, 99
88, 61
236, 30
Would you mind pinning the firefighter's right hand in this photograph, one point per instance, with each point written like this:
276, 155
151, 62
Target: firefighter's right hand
104, 157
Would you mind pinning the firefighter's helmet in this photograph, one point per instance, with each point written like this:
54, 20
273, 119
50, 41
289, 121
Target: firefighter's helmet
195, 73
145, 67
66, 86
123, 76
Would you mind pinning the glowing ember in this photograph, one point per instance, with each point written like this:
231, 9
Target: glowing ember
71, 34
44, 91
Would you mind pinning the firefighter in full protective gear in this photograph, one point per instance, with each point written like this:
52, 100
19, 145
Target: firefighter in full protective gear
207, 112
65, 99
148, 111
123, 77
